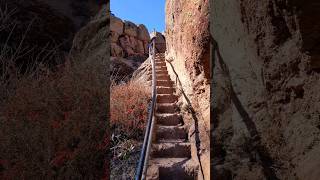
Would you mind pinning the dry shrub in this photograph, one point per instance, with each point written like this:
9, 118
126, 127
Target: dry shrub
53, 119
54, 125
129, 109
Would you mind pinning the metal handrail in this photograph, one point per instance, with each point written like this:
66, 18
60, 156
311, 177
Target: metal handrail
144, 156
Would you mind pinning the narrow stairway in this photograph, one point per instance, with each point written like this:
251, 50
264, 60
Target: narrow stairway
170, 157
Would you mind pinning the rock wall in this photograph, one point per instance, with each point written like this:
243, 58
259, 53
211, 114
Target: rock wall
91, 42
129, 47
265, 91
188, 50
128, 40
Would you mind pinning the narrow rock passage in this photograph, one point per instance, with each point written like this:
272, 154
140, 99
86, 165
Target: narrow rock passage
170, 158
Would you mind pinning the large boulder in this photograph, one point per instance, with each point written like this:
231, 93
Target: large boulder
143, 33
126, 45
116, 50
133, 43
160, 41
140, 47
116, 25
132, 38
91, 42
130, 29
114, 37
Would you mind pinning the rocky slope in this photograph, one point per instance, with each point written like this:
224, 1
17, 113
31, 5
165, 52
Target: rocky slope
266, 84
129, 46
188, 50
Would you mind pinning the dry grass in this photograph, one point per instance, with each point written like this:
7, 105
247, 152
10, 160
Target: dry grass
129, 111
129, 108
54, 125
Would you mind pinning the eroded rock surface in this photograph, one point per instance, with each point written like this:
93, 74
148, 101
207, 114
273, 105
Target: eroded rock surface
131, 38
266, 100
188, 51
160, 41
128, 42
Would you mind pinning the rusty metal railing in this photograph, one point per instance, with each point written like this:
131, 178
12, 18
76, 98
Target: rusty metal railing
146, 147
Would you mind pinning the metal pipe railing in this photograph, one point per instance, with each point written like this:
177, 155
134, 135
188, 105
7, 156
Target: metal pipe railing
144, 155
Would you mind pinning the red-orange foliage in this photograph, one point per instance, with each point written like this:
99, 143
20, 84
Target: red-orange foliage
129, 108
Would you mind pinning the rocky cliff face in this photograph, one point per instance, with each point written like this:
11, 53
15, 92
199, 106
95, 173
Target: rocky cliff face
266, 105
91, 41
188, 50
128, 40
129, 46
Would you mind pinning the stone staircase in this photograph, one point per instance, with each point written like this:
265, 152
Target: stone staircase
170, 157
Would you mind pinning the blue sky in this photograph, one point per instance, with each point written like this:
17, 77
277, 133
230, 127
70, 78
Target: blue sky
148, 12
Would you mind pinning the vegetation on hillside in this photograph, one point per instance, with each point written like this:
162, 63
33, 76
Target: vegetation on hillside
53, 119
129, 110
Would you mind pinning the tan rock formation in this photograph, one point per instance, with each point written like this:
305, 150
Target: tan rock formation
116, 25
128, 41
143, 33
266, 100
116, 50
130, 29
160, 41
91, 42
131, 38
187, 40
114, 37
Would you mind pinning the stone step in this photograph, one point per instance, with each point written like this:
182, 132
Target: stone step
165, 90
160, 60
169, 119
167, 108
164, 68
160, 54
171, 150
161, 72
171, 132
160, 63
163, 77
172, 169
165, 83
166, 98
